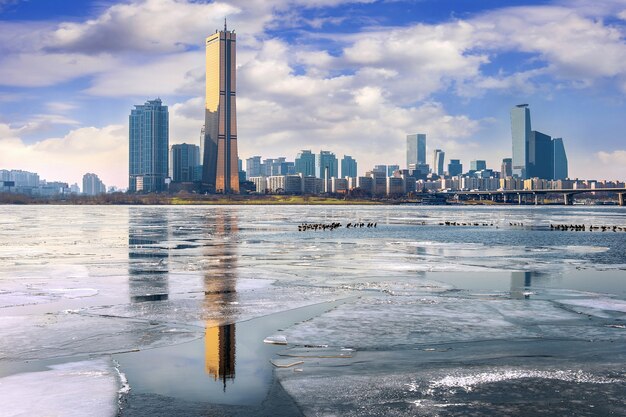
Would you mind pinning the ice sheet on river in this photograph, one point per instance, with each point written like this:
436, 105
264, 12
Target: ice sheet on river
425, 391
75, 389
384, 322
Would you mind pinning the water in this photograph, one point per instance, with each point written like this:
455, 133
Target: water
163, 311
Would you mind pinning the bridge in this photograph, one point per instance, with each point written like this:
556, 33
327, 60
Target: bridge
522, 196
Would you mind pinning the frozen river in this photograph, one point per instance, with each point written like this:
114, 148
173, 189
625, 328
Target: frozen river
456, 311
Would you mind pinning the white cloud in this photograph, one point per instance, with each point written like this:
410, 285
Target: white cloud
146, 25
43, 69
613, 163
103, 151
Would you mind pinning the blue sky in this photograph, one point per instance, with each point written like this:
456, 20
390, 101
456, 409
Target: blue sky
350, 76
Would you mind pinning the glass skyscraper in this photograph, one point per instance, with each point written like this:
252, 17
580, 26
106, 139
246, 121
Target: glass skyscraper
560, 160
348, 167
540, 156
323, 160
415, 149
220, 172
520, 132
478, 165
305, 163
455, 167
184, 159
148, 147
438, 159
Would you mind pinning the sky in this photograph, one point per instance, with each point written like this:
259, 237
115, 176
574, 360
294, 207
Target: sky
350, 76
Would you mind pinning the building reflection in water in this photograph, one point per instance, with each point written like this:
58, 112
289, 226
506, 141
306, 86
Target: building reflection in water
521, 282
220, 294
148, 254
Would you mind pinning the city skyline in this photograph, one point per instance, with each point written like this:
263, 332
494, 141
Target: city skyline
333, 83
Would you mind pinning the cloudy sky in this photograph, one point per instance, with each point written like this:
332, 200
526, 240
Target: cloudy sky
350, 76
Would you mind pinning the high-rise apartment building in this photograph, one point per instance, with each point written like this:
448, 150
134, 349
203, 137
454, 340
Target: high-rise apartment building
506, 169
520, 133
438, 159
148, 147
415, 149
348, 167
305, 163
560, 160
92, 185
253, 167
326, 160
455, 167
220, 160
184, 160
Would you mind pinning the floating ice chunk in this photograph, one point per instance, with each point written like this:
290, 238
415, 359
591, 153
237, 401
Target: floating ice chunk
276, 340
74, 292
87, 388
285, 363
318, 353
468, 382
604, 303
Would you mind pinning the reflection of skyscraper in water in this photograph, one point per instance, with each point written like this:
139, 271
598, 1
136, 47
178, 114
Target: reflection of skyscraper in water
520, 283
220, 292
147, 254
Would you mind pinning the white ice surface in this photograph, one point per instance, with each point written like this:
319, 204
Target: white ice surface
76, 389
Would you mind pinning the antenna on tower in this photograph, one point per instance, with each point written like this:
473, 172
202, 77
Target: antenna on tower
225, 29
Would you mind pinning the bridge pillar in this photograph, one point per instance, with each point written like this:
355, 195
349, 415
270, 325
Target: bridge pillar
519, 199
536, 199
568, 199
622, 199
505, 198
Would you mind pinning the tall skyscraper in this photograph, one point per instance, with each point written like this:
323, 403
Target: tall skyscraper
348, 167
148, 148
506, 169
455, 167
305, 163
560, 160
415, 149
323, 160
520, 132
184, 159
540, 156
438, 159
92, 185
220, 160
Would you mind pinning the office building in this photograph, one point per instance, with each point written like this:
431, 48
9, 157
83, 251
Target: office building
391, 169
220, 172
438, 159
184, 159
455, 167
415, 149
348, 167
540, 156
506, 169
478, 165
560, 160
148, 147
92, 185
326, 165
305, 163
520, 133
